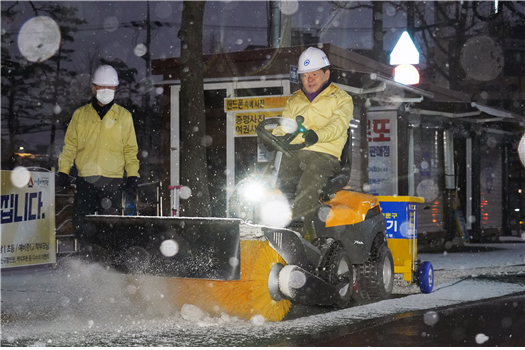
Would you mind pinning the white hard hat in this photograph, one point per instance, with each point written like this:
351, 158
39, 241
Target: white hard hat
312, 59
105, 76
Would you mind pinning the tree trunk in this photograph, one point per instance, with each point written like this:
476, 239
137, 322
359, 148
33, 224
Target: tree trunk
194, 173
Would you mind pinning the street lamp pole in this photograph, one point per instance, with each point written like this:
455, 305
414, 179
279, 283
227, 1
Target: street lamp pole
147, 57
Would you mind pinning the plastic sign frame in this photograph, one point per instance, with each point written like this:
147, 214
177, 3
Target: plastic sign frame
405, 52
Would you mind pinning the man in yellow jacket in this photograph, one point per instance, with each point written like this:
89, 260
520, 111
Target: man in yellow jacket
327, 111
101, 142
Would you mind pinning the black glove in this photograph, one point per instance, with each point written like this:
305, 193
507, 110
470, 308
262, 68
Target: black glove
131, 187
310, 137
62, 181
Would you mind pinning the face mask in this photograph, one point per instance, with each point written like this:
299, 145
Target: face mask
105, 96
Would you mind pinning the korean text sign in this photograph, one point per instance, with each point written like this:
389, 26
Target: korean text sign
27, 215
245, 123
382, 152
254, 103
400, 219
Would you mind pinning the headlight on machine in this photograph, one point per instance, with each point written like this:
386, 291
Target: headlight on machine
252, 191
254, 202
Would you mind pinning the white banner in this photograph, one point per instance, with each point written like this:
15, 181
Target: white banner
27, 218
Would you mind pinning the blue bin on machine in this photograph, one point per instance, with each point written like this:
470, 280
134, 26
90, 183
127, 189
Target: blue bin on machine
401, 231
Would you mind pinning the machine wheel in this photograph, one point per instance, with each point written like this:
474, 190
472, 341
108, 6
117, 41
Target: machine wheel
426, 277
336, 268
375, 278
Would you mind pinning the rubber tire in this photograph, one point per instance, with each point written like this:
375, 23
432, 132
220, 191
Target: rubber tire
426, 277
375, 278
335, 259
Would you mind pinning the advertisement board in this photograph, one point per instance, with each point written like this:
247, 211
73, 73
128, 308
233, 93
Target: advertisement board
382, 152
245, 123
254, 103
27, 215
400, 216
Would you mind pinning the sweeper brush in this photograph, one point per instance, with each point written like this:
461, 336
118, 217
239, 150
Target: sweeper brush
229, 273
243, 298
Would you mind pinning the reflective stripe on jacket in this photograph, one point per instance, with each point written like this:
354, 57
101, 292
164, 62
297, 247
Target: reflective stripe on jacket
100, 147
329, 115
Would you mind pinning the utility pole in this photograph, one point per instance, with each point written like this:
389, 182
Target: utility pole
410, 18
148, 136
280, 26
147, 57
274, 36
377, 31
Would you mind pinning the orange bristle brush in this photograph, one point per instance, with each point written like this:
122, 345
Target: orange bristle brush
244, 298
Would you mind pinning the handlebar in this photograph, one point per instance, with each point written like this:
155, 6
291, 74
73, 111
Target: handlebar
281, 143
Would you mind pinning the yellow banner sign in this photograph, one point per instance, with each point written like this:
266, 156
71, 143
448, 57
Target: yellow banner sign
27, 215
245, 123
254, 103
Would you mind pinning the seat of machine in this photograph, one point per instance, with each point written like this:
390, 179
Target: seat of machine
349, 207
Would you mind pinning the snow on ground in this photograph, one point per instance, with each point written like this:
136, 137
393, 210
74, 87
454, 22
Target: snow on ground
87, 305
474, 256
471, 261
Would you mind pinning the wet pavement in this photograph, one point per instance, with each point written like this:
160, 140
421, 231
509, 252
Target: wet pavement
492, 322
478, 299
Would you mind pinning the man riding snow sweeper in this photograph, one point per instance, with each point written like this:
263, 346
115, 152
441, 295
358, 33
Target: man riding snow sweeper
249, 266
327, 111
247, 270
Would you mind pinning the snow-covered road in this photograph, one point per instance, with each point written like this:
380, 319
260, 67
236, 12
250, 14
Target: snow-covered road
86, 305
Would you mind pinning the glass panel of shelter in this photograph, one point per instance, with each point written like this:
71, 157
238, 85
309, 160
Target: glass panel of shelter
246, 147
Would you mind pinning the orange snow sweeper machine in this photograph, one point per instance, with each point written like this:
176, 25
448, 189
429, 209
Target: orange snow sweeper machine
246, 269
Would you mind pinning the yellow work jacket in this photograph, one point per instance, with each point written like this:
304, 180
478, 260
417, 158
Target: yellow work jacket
329, 115
100, 147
